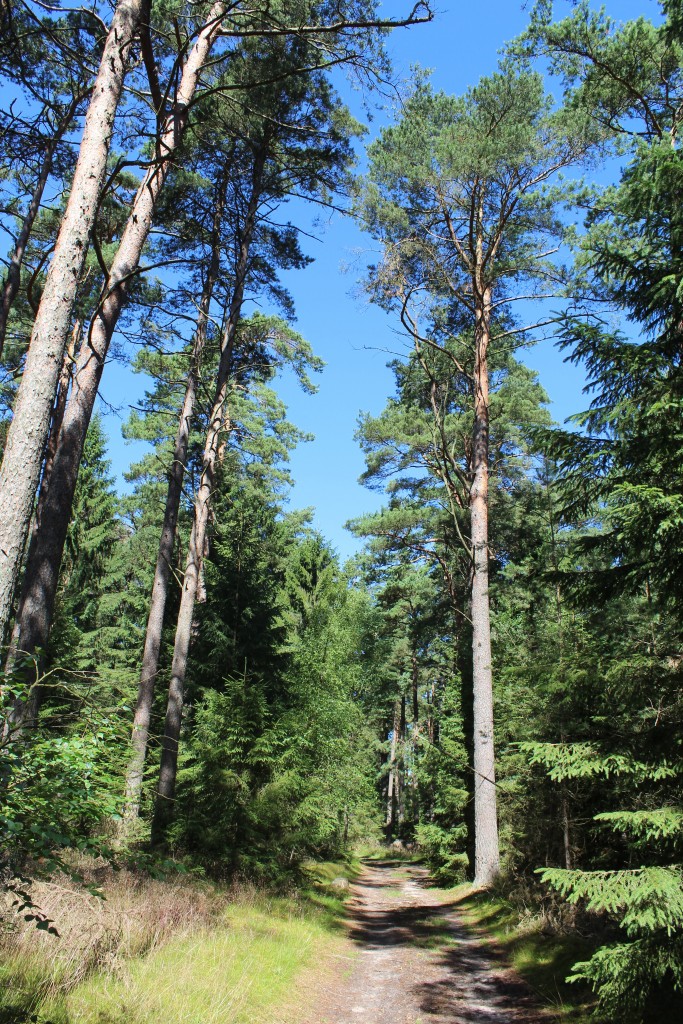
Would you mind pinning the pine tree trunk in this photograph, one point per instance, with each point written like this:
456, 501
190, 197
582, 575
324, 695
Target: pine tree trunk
43, 569
28, 432
392, 784
25, 710
415, 732
566, 833
486, 850
163, 810
65, 376
400, 775
155, 620
415, 679
430, 713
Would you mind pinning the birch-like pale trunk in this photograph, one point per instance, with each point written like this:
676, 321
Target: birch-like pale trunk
566, 832
162, 573
163, 809
23, 456
486, 849
400, 776
43, 570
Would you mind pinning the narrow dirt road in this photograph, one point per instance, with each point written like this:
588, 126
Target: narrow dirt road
415, 962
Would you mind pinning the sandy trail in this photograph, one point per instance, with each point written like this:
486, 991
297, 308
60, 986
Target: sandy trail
415, 962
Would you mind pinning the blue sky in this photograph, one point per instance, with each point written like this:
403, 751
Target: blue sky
355, 339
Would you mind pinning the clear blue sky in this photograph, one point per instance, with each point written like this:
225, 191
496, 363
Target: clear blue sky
356, 339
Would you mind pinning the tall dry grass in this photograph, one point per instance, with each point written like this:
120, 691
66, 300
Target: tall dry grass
135, 914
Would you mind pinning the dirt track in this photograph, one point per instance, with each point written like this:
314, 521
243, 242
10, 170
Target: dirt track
415, 962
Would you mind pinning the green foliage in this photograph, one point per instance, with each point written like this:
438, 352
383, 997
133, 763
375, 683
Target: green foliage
580, 761
323, 702
620, 78
644, 899
618, 480
92, 535
57, 792
648, 903
482, 165
626, 974
442, 849
648, 826
278, 763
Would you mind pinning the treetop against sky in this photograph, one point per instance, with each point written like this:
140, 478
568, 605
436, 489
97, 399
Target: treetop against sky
355, 339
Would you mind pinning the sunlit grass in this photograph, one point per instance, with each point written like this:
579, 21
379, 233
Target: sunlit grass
246, 959
235, 974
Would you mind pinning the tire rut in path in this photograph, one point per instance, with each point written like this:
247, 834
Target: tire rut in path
416, 963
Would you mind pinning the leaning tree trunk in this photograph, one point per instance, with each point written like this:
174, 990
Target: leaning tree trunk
486, 851
42, 571
28, 432
162, 573
25, 709
163, 809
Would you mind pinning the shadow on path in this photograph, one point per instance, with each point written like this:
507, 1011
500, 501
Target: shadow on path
417, 962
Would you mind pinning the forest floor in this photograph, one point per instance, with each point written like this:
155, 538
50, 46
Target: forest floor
412, 960
384, 947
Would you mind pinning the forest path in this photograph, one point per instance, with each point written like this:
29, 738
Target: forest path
416, 962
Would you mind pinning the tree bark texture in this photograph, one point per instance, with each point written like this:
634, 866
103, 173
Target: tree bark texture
486, 850
25, 709
28, 432
400, 776
162, 573
392, 785
415, 686
169, 750
43, 569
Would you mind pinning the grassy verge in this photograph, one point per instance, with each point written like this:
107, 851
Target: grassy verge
395, 854
232, 974
541, 958
326, 888
176, 951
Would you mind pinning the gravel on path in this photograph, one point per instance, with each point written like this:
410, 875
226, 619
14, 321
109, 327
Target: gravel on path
416, 963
